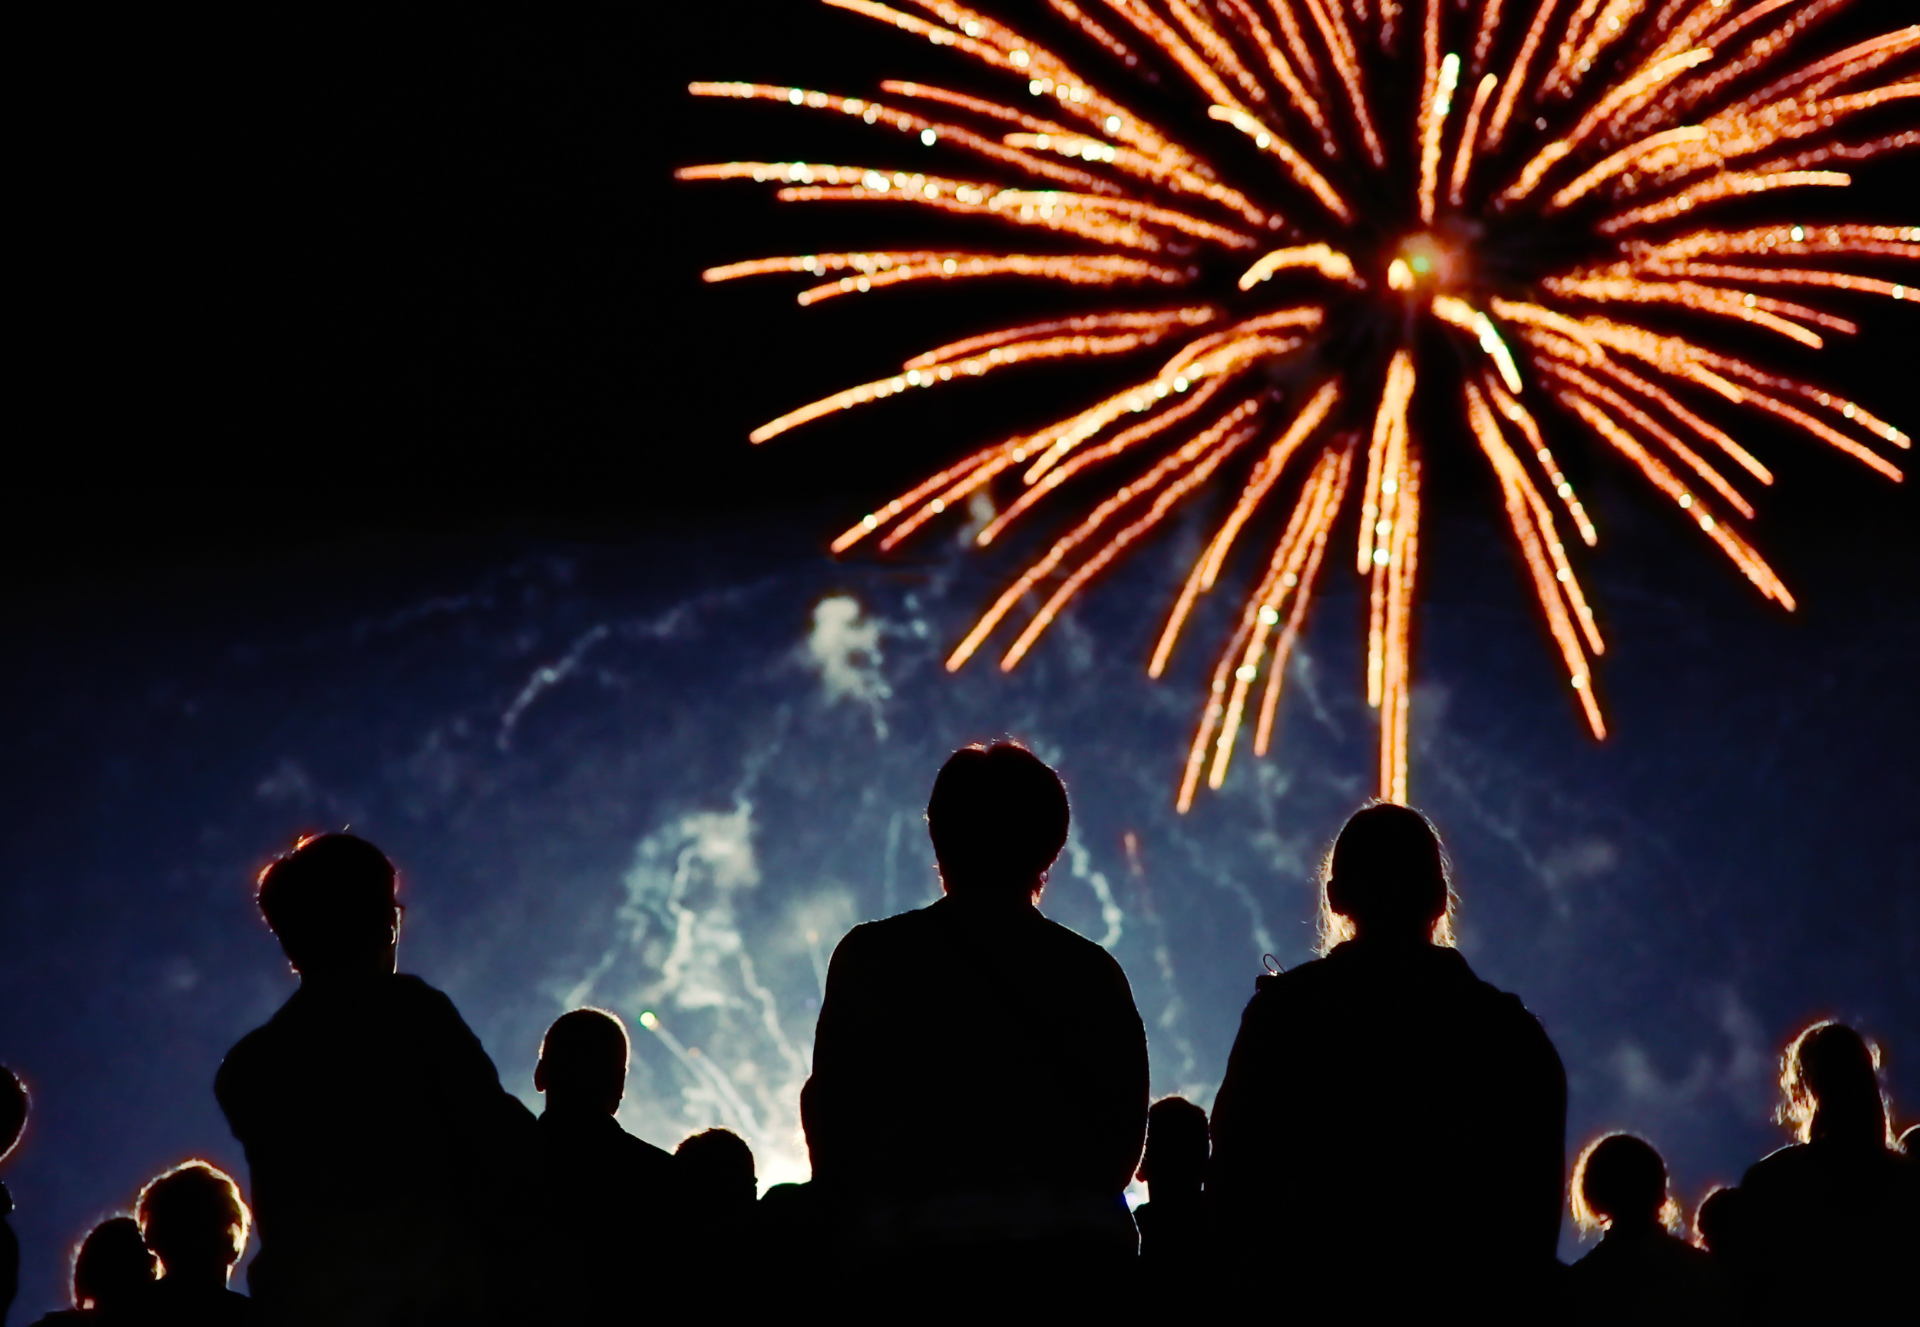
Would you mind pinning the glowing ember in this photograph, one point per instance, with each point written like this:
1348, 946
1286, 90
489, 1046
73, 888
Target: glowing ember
1533, 219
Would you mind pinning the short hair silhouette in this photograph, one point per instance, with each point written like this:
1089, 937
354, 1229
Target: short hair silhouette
718, 1165
1830, 1079
330, 901
1386, 876
1176, 1152
112, 1266
1621, 1181
14, 1102
583, 1058
1716, 1221
998, 817
193, 1218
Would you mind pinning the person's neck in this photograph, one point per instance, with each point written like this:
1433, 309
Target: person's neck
577, 1108
357, 977
1632, 1232
993, 899
203, 1280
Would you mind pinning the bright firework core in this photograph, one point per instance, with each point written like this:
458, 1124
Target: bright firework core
1424, 263
1361, 154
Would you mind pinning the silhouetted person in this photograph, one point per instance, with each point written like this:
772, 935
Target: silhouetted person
716, 1183
1323, 1191
607, 1195
193, 1219
113, 1272
1173, 1228
1829, 1221
13, 1122
389, 1169
1716, 1223
717, 1178
934, 1021
1640, 1272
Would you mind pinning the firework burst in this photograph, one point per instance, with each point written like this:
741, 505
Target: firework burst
1481, 210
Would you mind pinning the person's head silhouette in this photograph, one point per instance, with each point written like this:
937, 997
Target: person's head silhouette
716, 1169
1830, 1078
331, 903
583, 1062
1620, 1183
998, 817
13, 1110
1716, 1222
194, 1220
1175, 1162
112, 1267
1386, 879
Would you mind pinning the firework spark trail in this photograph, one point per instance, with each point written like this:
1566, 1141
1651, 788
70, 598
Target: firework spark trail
1330, 135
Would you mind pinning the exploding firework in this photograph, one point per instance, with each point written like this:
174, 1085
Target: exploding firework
1449, 203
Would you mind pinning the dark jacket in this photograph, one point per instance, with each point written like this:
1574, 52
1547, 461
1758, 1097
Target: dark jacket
1646, 1276
974, 1046
1389, 1123
609, 1207
1825, 1225
376, 1129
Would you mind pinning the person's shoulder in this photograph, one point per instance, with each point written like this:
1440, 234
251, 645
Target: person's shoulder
1075, 950
1068, 940
870, 941
403, 988
1782, 1165
1502, 1007
1302, 981
643, 1157
252, 1055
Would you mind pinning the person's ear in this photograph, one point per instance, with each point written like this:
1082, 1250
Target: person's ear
399, 916
540, 1075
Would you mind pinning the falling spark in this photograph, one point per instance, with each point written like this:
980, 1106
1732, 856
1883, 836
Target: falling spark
1561, 233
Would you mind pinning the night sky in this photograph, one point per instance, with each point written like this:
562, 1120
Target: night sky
383, 463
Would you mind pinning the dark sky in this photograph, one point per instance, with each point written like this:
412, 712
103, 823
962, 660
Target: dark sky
291, 276
340, 324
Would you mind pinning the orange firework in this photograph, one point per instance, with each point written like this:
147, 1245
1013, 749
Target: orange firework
1419, 185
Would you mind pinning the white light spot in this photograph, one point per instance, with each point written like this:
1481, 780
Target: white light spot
1686, 501
1246, 672
929, 137
1113, 124
1268, 615
949, 267
1379, 557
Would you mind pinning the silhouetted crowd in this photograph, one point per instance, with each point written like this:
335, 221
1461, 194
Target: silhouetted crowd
1388, 1143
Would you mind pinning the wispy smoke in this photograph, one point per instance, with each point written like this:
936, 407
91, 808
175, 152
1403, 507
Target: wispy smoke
696, 988
844, 648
